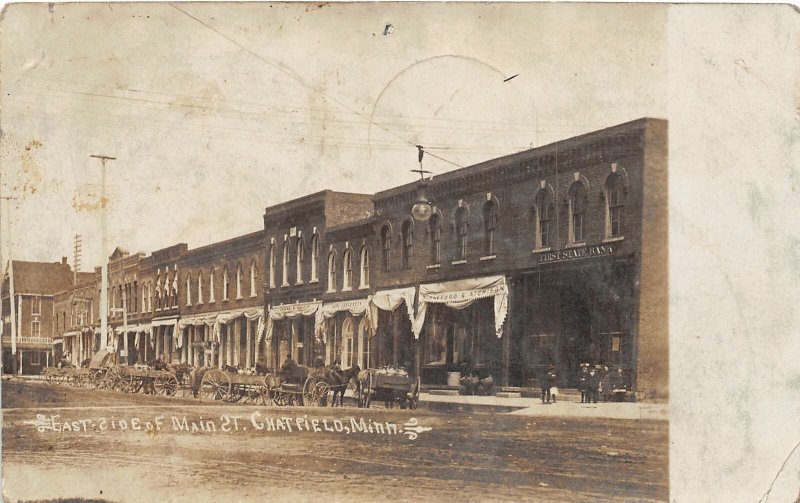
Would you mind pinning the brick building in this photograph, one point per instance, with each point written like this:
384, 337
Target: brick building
77, 315
36, 285
222, 303
298, 264
552, 256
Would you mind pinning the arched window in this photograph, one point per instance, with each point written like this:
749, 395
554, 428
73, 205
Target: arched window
211, 292
272, 264
348, 339
489, 226
542, 212
226, 284
253, 277
614, 194
239, 281
332, 271
286, 262
434, 224
200, 287
314, 257
347, 263
144, 298
577, 212
364, 277
158, 292
461, 233
407, 235
150, 296
301, 256
386, 243
188, 290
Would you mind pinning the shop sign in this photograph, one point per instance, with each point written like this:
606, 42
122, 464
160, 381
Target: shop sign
576, 253
463, 295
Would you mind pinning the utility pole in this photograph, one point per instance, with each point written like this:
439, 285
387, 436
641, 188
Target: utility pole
104, 266
76, 258
11, 301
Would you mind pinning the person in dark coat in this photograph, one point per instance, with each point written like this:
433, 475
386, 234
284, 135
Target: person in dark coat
592, 385
544, 385
552, 383
619, 386
582, 382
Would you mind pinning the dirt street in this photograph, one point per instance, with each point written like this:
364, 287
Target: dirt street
105, 445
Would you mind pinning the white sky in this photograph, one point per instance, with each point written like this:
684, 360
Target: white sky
207, 133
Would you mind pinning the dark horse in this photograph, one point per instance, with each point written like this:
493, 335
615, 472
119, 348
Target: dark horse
339, 380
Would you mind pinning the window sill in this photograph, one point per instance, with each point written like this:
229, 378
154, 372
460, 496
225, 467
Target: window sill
541, 250
331, 291
284, 285
577, 244
363, 287
313, 281
224, 300
458, 262
348, 289
211, 301
487, 257
298, 283
199, 303
253, 295
433, 266
239, 297
613, 239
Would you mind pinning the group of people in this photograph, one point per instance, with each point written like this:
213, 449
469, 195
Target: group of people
596, 381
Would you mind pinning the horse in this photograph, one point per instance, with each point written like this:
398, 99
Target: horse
339, 380
85, 363
180, 370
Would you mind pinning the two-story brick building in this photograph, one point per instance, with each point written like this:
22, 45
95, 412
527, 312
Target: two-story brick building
552, 256
299, 260
222, 303
36, 284
77, 315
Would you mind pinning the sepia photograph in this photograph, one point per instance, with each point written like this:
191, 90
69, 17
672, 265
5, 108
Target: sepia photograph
395, 252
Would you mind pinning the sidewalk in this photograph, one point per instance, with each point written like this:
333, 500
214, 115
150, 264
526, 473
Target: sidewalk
535, 407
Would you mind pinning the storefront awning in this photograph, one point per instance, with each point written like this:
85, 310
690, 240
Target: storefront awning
71, 334
292, 311
328, 310
389, 300
461, 294
142, 327
214, 320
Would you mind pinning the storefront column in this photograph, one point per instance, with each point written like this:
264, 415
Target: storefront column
237, 341
249, 340
507, 330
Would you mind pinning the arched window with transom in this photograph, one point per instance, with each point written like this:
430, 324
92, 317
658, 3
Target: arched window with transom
253, 278
239, 280
200, 287
407, 234
614, 196
301, 256
577, 212
188, 289
273, 263
314, 257
211, 291
364, 276
286, 261
332, 271
347, 269
461, 233
489, 227
543, 211
226, 284
386, 246
435, 229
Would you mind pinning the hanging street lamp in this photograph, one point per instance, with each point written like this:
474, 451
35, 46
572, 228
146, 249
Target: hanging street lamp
422, 209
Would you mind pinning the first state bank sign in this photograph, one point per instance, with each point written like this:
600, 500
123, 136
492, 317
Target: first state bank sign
577, 253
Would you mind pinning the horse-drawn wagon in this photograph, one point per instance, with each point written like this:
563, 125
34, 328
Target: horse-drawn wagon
232, 386
388, 385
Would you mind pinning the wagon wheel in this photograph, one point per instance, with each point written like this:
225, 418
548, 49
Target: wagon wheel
215, 385
166, 385
309, 391
136, 383
111, 379
413, 395
84, 379
123, 380
321, 391
366, 392
236, 393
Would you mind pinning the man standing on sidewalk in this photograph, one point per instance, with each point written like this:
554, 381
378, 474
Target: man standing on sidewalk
592, 384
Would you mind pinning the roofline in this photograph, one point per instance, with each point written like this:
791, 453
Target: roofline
515, 157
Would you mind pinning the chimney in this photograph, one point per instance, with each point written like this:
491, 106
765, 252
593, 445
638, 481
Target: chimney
63, 260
